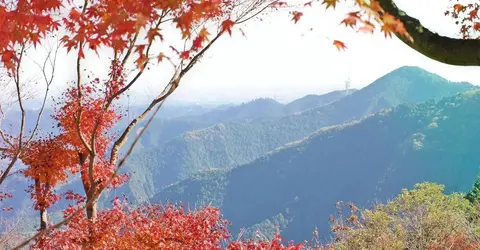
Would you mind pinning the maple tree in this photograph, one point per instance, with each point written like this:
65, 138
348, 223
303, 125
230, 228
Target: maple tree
47, 161
89, 109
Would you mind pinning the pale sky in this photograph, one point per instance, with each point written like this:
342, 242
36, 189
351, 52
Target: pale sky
284, 59
276, 59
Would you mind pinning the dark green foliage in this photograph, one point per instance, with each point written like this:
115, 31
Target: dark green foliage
474, 194
362, 162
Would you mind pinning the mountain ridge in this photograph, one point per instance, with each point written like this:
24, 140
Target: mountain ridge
298, 185
229, 144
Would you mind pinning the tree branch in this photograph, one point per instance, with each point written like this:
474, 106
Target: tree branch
22, 124
20, 102
169, 89
79, 92
96, 195
171, 86
453, 51
48, 83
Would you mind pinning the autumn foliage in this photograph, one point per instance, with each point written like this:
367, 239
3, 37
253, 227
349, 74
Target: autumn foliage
87, 111
85, 114
152, 227
149, 227
49, 161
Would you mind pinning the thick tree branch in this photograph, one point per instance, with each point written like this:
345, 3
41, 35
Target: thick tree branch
171, 86
453, 51
78, 117
169, 89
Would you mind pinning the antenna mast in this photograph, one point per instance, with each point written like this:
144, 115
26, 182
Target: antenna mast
348, 84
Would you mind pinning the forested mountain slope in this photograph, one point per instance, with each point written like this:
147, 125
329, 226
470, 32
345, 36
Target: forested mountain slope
172, 120
164, 129
229, 144
298, 185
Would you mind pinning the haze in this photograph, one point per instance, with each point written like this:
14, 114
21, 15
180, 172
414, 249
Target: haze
280, 60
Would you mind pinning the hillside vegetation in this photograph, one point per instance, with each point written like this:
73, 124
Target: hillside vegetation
234, 143
168, 127
297, 186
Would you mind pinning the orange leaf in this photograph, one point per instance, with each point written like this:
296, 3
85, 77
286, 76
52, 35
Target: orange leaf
367, 28
458, 8
296, 16
160, 57
141, 21
340, 45
473, 14
74, 14
227, 26
152, 33
375, 6
185, 55
351, 19
476, 26
204, 34
330, 3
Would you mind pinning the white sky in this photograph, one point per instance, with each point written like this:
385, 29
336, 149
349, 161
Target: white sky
276, 58
285, 59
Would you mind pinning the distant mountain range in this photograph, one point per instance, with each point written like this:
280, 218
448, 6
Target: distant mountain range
165, 129
171, 121
233, 143
258, 111
254, 162
296, 186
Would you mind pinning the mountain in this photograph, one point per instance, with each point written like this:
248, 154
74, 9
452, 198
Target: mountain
310, 101
173, 110
172, 120
12, 119
266, 108
257, 108
297, 186
162, 130
166, 128
230, 144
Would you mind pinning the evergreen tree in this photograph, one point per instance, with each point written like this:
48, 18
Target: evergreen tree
474, 195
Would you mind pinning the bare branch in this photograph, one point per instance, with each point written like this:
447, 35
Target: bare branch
130, 49
48, 83
22, 125
255, 5
20, 102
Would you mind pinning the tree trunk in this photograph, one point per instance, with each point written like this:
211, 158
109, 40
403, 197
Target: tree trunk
43, 219
92, 209
40, 198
